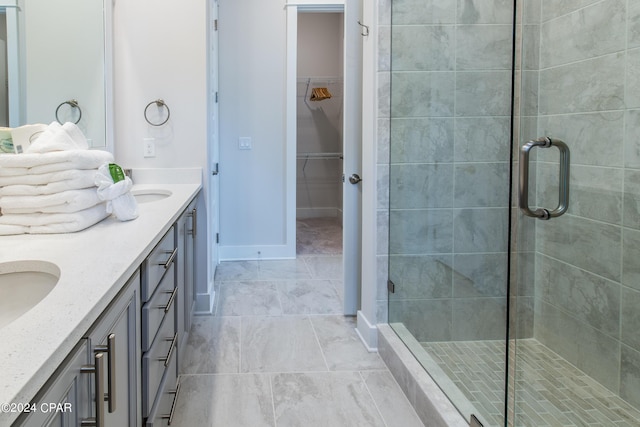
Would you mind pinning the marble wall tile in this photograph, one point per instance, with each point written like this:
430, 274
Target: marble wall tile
382, 269
309, 297
423, 47
633, 25
631, 139
481, 139
531, 47
384, 12
384, 94
589, 32
485, 12
304, 399
410, 12
531, 11
528, 97
417, 94
382, 228
427, 320
382, 186
479, 319
632, 89
632, 199
592, 85
279, 344
421, 186
480, 275
521, 321
421, 231
483, 93
383, 136
213, 346
630, 257
630, 322
591, 351
630, 376
421, 276
587, 297
341, 346
393, 404
523, 274
225, 400
422, 140
483, 47
552, 9
481, 185
585, 134
248, 299
480, 230
384, 48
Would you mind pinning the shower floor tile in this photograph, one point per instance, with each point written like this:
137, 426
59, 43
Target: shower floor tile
550, 391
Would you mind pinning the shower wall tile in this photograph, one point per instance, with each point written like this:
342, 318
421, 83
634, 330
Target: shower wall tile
590, 85
423, 47
630, 333
566, 240
483, 47
421, 231
418, 94
521, 313
481, 139
422, 140
531, 12
630, 376
384, 94
632, 92
420, 186
593, 138
481, 185
530, 91
384, 12
593, 31
480, 230
593, 352
418, 315
586, 297
483, 93
630, 257
480, 275
485, 12
552, 9
531, 47
382, 186
632, 199
479, 319
524, 273
410, 12
383, 145
382, 237
421, 276
633, 25
631, 140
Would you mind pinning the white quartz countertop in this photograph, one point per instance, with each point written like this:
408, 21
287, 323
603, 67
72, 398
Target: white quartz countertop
95, 264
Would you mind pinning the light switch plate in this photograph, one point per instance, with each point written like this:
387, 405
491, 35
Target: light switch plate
149, 147
244, 143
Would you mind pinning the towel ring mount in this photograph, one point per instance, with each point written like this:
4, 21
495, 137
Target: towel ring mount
74, 104
159, 103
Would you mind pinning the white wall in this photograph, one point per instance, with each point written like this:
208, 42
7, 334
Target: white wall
252, 104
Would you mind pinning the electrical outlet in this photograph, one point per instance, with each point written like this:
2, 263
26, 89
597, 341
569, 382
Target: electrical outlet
149, 147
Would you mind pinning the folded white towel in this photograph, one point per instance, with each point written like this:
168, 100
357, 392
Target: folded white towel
59, 137
35, 163
48, 178
42, 223
66, 201
23, 136
119, 199
78, 180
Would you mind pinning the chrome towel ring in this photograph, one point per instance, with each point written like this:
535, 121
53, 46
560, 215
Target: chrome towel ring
159, 103
74, 104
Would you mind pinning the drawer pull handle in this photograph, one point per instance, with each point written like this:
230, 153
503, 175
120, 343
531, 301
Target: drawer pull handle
173, 405
173, 345
170, 260
167, 307
194, 222
98, 371
110, 349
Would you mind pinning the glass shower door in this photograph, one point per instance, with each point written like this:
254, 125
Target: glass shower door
576, 287
449, 167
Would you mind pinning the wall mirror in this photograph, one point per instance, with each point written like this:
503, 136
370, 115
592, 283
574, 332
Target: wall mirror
56, 56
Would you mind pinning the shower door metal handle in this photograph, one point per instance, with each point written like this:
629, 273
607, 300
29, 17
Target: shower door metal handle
563, 191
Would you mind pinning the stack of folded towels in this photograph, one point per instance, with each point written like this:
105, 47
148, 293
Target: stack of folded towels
50, 187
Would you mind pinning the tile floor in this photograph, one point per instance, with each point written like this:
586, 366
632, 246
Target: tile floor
551, 391
279, 353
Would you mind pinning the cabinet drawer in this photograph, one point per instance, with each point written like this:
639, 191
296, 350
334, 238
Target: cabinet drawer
162, 409
157, 359
158, 263
158, 306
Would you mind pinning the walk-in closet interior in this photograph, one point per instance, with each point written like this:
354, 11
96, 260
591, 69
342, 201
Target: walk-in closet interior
319, 125
514, 217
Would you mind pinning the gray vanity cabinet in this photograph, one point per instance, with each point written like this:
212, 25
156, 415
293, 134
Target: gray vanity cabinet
187, 231
117, 335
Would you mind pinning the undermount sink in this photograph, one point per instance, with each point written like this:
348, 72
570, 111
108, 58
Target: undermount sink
23, 284
150, 195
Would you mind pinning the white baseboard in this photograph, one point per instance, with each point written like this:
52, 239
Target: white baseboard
245, 253
367, 332
205, 301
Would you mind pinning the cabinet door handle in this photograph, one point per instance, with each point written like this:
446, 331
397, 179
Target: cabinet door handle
173, 405
170, 260
173, 345
110, 349
98, 371
167, 307
194, 222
